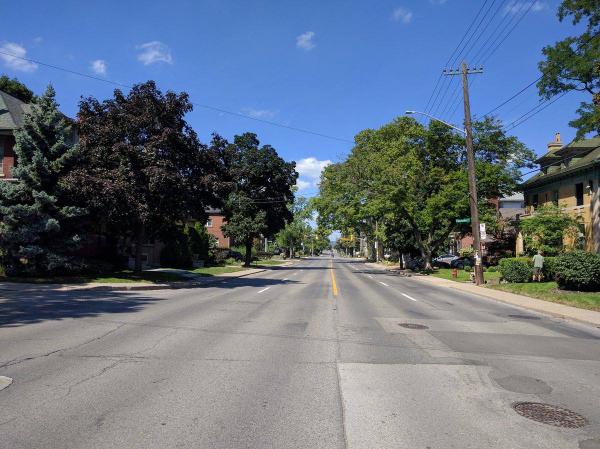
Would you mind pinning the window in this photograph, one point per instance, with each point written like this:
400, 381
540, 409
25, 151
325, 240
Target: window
579, 194
1, 155
555, 197
209, 223
545, 197
535, 200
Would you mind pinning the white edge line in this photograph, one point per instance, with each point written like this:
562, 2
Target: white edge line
412, 299
264, 289
383, 283
370, 276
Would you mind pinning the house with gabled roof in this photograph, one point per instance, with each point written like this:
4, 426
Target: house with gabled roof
12, 111
569, 177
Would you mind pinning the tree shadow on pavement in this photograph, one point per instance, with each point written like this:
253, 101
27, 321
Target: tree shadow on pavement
22, 304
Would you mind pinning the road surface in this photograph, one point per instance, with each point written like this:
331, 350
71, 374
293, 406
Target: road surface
312, 355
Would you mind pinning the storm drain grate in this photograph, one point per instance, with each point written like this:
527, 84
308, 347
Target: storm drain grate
550, 414
412, 326
525, 317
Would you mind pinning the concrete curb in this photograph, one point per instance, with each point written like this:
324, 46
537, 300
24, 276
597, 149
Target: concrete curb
538, 305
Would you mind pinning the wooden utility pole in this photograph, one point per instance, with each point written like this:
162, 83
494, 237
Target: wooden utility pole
475, 229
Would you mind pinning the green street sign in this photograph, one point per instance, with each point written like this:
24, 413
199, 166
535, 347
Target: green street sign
463, 220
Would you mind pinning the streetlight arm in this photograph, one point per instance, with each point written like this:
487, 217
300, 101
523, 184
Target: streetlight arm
437, 120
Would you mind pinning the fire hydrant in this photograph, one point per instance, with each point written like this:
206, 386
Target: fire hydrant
454, 272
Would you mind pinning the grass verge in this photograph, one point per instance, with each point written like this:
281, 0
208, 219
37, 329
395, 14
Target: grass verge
215, 271
463, 276
548, 291
120, 277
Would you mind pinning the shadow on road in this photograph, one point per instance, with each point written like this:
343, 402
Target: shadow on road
22, 304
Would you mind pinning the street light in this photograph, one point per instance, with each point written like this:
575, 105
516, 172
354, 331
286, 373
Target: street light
475, 229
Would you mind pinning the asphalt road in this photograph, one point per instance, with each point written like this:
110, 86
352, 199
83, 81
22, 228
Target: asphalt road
305, 356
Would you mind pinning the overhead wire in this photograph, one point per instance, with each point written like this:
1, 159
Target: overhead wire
200, 105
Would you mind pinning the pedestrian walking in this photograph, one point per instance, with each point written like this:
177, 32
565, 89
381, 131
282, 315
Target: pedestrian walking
538, 264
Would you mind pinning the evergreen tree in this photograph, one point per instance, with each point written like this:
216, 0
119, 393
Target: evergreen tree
17, 89
38, 223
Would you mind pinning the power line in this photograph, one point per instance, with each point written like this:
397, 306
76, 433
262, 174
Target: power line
488, 56
204, 106
452, 55
534, 111
514, 96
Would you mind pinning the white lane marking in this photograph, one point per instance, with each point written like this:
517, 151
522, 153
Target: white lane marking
370, 276
383, 283
5, 382
264, 289
412, 299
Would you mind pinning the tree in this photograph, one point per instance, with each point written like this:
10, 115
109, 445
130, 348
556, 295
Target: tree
406, 178
574, 64
261, 186
16, 88
142, 170
38, 220
546, 230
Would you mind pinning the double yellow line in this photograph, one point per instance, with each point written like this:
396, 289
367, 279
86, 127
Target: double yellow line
333, 283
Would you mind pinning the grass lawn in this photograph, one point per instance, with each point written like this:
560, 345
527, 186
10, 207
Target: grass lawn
463, 276
268, 262
549, 291
125, 276
215, 271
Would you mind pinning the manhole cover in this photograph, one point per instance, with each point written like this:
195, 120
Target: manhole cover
525, 317
412, 326
550, 414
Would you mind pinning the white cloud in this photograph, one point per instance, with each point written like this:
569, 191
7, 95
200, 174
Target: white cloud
515, 7
14, 62
305, 41
402, 15
310, 169
38, 40
98, 66
265, 114
155, 51
437, 2
303, 185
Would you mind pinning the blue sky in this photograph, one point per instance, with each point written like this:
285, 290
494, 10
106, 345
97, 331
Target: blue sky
334, 67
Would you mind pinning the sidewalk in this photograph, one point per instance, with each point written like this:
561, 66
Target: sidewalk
538, 305
197, 281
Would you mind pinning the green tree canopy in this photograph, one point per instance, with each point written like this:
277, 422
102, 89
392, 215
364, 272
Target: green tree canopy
546, 230
261, 185
16, 88
39, 224
574, 64
406, 178
142, 170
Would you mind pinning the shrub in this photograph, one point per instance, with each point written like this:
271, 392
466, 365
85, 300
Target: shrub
492, 269
516, 269
466, 252
578, 270
176, 253
468, 268
549, 268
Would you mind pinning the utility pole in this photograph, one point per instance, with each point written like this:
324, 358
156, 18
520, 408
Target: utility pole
475, 229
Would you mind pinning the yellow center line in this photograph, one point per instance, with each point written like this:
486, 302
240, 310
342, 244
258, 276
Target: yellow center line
333, 283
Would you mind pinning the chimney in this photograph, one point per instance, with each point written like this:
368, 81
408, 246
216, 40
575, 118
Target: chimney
556, 144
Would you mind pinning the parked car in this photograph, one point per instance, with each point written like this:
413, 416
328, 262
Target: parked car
444, 261
462, 262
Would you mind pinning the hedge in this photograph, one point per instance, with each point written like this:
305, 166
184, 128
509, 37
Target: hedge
578, 270
516, 269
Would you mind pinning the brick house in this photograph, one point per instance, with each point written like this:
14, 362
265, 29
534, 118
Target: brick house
216, 219
11, 118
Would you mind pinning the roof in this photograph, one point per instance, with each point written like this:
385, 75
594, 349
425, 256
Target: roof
513, 197
586, 154
11, 112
